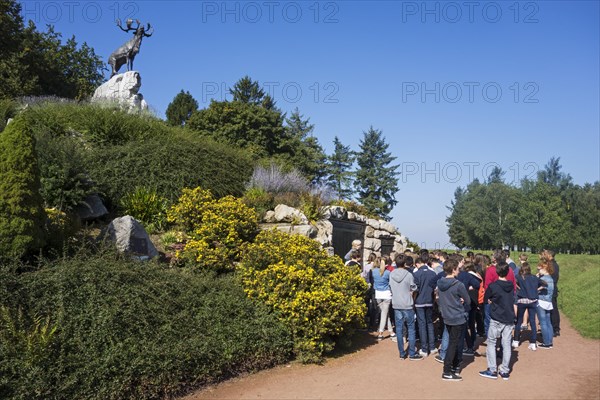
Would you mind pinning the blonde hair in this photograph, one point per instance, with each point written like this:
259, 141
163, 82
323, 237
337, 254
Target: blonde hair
379, 263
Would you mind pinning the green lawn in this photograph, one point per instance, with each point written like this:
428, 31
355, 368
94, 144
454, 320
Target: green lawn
579, 292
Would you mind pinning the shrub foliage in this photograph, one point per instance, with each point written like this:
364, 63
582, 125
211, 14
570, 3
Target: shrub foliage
216, 228
317, 296
106, 328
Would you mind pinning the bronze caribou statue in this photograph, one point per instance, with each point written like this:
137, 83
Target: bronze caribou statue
127, 52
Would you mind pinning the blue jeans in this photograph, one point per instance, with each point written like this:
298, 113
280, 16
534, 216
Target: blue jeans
486, 317
444, 344
425, 320
408, 317
532, 308
545, 324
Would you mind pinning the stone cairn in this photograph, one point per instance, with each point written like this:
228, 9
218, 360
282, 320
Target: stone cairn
293, 221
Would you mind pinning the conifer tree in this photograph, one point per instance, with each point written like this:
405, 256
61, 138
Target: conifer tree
339, 169
181, 109
22, 216
248, 91
303, 150
376, 177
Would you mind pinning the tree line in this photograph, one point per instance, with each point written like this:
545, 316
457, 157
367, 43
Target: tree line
36, 63
547, 212
252, 121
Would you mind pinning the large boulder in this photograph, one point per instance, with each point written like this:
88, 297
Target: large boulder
336, 212
305, 230
285, 213
325, 232
387, 226
124, 90
91, 208
269, 217
130, 237
374, 223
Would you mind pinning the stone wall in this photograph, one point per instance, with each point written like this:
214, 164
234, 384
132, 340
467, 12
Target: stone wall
291, 220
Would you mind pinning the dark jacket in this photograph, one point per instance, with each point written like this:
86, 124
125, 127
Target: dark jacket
468, 280
555, 276
527, 287
450, 293
423, 279
501, 295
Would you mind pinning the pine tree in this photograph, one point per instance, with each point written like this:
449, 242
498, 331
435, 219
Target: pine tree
338, 167
181, 109
376, 178
248, 91
305, 152
22, 216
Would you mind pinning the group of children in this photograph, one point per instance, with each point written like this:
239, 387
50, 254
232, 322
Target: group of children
468, 297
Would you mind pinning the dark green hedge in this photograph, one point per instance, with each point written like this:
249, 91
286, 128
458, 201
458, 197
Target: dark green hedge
168, 164
99, 125
84, 144
127, 330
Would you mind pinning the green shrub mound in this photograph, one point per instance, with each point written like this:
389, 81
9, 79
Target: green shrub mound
104, 328
167, 164
84, 148
99, 125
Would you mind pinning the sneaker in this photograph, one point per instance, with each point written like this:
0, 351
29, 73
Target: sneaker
394, 339
469, 352
392, 334
439, 359
532, 346
416, 357
545, 346
504, 375
488, 374
451, 377
433, 351
456, 371
379, 337
423, 353
515, 344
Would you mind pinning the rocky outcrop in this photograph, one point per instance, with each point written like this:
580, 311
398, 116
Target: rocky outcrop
91, 208
130, 237
285, 213
124, 90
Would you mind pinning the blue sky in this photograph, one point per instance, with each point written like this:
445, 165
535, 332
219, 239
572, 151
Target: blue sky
456, 87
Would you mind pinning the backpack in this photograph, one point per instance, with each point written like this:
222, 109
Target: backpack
481, 292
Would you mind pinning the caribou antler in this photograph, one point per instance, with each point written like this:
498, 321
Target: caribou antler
148, 31
129, 22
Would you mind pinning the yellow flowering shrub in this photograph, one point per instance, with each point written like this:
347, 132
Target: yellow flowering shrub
215, 228
317, 296
190, 208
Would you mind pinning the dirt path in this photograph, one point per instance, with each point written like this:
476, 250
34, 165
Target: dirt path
571, 370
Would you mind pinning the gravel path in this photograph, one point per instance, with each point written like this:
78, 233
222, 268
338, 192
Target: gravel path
571, 370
